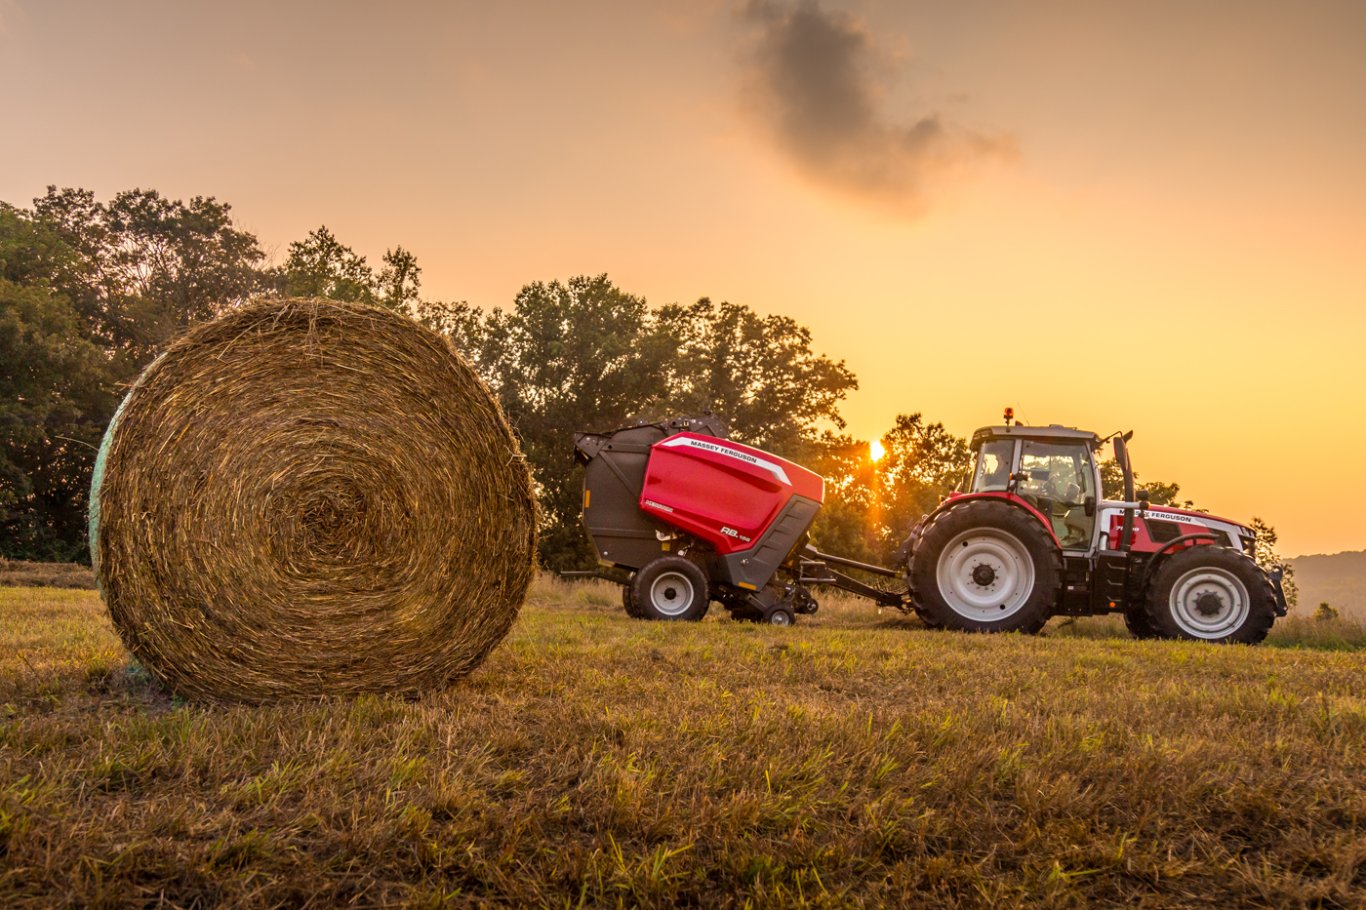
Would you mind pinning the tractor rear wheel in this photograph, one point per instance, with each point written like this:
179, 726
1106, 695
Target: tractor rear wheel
1210, 593
671, 588
985, 566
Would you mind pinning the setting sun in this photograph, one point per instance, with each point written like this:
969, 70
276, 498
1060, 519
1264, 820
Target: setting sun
876, 450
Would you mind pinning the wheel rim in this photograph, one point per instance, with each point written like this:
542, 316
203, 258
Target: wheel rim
1209, 602
985, 575
671, 594
780, 619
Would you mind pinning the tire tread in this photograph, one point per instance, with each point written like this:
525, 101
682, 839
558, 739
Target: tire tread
1261, 594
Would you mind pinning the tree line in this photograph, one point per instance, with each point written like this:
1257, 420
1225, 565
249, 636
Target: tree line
90, 291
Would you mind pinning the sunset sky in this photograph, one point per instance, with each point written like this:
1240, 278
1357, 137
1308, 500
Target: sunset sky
1146, 216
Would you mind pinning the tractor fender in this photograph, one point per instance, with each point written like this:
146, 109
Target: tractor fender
907, 549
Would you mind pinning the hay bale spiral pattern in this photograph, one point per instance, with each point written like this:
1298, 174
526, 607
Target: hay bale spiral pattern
310, 498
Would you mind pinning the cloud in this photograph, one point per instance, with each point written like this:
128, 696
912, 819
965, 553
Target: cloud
810, 83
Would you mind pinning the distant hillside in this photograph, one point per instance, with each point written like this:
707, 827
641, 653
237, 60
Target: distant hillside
1339, 578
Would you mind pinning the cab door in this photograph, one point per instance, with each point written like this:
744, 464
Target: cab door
1058, 477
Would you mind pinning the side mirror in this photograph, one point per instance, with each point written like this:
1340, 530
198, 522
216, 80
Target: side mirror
1088, 505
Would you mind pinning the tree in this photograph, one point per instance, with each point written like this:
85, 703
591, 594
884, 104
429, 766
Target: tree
464, 326
1267, 557
1326, 612
760, 373
850, 521
146, 267
95, 290
923, 463
871, 506
54, 402
34, 252
400, 280
322, 266
1160, 493
91, 292
569, 356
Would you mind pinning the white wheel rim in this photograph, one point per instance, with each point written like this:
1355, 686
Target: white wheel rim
781, 619
1209, 602
985, 575
671, 594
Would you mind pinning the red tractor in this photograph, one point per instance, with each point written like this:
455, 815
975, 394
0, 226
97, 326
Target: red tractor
682, 516
1030, 538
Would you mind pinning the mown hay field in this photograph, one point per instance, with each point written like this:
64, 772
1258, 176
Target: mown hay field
20, 573
853, 760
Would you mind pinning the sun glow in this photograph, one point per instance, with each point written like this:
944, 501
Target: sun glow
876, 450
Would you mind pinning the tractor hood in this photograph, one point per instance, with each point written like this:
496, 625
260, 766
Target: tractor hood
1159, 525
1186, 517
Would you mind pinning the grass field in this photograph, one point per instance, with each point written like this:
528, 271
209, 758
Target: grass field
18, 573
598, 761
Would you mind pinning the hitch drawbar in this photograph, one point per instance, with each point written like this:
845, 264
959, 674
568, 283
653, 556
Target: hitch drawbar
815, 570
681, 515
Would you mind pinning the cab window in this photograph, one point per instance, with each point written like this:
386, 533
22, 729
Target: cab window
993, 466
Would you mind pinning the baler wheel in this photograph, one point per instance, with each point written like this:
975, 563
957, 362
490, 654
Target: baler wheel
628, 600
780, 618
671, 588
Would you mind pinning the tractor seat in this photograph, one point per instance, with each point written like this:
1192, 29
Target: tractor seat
1069, 523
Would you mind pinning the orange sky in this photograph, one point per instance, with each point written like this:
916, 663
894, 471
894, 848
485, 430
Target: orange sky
1120, 215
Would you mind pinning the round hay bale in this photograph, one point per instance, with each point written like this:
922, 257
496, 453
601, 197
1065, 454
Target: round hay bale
311, 498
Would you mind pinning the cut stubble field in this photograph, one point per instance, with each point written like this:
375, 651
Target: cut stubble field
594, 760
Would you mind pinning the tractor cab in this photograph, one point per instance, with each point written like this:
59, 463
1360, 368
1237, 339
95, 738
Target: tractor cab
1051, 469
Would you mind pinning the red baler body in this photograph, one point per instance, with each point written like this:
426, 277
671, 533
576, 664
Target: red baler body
720, 491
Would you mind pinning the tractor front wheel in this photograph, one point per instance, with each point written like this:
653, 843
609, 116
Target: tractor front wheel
985, 566
1209, 593
671, 588
1136, 621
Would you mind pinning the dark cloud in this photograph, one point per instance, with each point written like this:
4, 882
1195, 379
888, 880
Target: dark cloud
811, 84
